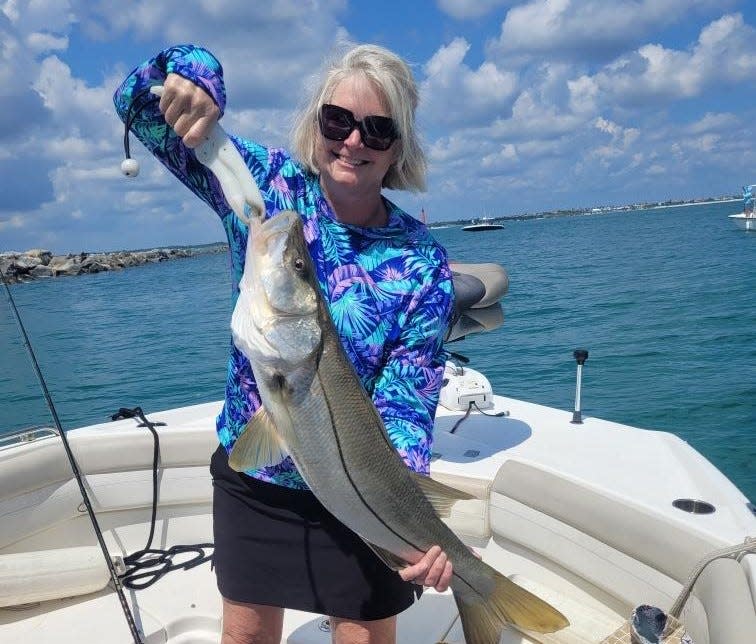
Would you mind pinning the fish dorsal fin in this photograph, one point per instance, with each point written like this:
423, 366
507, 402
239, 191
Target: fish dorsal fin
258, 445
387, 557
441, 496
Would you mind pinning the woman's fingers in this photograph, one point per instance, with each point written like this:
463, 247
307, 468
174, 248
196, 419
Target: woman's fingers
434, 569
199, 130
188, 109
439, 574
419, 569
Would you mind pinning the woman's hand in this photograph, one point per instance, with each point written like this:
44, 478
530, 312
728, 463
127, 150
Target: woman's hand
433, 569
188, 109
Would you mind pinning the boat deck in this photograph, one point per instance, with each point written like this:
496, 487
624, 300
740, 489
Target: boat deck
552, 498
183, 607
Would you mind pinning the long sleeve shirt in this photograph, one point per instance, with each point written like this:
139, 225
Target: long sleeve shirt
389, 289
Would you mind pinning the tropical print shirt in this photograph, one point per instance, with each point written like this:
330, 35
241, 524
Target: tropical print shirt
389, 289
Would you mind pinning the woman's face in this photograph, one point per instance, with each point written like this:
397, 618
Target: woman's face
348, 168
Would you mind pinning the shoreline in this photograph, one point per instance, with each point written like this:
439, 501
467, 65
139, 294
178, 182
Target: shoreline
37, 263
30, 265
587, 212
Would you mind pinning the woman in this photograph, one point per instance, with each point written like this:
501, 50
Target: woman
389, 289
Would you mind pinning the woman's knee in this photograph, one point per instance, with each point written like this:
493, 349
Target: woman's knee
349, 631
251, 623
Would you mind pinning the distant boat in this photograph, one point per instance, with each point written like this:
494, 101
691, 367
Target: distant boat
746, 220
484, 223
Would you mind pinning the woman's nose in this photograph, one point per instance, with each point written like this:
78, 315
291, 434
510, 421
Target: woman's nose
354, 139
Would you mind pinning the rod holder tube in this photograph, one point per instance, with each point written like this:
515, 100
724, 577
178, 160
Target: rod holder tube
580, 355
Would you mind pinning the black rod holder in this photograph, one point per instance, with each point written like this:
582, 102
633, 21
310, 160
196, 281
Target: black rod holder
580, 355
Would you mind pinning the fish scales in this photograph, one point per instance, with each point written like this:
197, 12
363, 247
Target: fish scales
315, 409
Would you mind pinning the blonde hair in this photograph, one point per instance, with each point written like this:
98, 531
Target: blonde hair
393, 79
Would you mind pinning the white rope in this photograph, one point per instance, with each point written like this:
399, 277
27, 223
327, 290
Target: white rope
737, 551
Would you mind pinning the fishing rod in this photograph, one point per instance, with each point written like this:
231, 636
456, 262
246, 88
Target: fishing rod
74, 467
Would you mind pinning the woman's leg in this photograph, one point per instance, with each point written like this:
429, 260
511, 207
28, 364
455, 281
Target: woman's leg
350, 631
251, 623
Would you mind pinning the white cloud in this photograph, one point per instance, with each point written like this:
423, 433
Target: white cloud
505, 156
722, 54
464, 9
535, 120
267, 49
621, 140
601, 101
455, 94
40, 42
29, 16
67, 97
714, 122
587, 29
62, 140
15, 221
583, 94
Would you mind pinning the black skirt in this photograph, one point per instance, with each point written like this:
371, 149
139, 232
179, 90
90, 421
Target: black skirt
278, 546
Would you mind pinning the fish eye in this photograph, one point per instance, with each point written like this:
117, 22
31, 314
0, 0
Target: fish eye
299, 264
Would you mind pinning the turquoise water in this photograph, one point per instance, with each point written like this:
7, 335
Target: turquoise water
662, 299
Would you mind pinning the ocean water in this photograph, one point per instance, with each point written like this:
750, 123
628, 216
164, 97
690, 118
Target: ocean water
662, 299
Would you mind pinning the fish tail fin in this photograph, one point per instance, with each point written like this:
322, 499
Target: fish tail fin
484, 617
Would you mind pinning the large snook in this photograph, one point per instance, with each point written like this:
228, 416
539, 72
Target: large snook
316, 410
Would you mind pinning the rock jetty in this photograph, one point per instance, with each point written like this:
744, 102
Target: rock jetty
37, 263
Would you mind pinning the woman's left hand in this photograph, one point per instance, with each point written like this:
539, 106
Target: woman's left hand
434, 569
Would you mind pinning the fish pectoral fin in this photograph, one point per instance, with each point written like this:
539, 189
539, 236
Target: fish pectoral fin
258, 445
387, 557
441, 496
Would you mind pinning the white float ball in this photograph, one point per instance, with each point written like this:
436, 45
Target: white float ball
130, 167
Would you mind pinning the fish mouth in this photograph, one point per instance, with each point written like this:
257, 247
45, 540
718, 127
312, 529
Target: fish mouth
280, 224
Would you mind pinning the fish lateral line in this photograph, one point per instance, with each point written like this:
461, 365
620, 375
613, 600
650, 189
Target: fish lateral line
349, 476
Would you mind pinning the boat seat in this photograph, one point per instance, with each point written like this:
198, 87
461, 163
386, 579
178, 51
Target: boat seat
623, 549
655, 540
468, 518
30, 577
468, 290
731, 617
469, 278
478, 289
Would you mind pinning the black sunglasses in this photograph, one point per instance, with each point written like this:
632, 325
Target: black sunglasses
337, 123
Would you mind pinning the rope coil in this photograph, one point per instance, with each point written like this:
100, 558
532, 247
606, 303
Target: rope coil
150, 564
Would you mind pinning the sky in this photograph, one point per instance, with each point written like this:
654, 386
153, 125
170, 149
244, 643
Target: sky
525, 106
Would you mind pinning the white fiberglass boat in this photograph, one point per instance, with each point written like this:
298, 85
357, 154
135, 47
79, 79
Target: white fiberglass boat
744, 221
482, 224
593, 516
